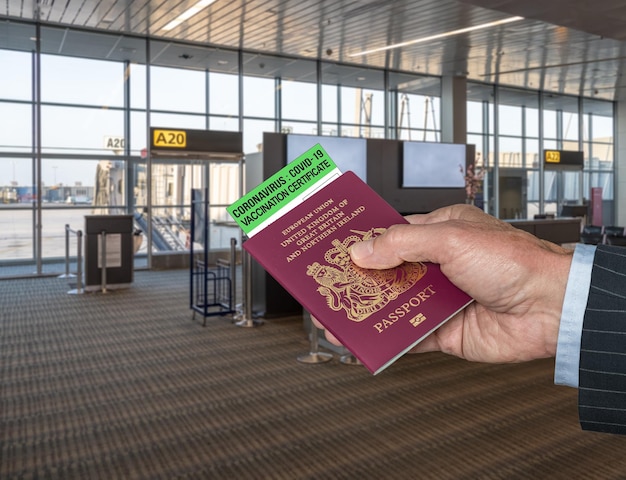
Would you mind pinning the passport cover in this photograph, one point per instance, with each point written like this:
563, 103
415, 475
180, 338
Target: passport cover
378, 315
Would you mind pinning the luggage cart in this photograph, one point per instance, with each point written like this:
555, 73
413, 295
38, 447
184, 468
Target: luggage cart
211, 287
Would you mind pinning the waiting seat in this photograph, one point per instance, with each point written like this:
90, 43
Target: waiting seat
592, 238
613, 231
603, 234
614, 235
619, 241
592, 234
593, 229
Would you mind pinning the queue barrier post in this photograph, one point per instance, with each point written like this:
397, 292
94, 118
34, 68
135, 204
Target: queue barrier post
245, 318
103, 261
233, 272
79, 259
314, 355
67, 273
349, 359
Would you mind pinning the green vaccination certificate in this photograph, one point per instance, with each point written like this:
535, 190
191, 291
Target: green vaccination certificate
284, 190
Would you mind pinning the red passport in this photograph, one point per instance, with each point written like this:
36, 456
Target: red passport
378, 315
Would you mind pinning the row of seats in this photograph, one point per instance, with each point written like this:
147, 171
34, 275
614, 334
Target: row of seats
601, 234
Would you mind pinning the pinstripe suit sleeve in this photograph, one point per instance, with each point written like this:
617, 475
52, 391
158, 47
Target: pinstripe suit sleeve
602, 382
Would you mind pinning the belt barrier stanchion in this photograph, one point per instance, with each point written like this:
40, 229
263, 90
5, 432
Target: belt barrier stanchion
67, 273
314, 355
103, 261
79, 260
349, 359
233, 274
246, 318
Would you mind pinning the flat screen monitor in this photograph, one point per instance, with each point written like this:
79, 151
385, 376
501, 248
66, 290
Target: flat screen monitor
433, 165
347, 153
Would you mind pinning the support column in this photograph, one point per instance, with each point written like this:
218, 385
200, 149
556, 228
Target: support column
454, 109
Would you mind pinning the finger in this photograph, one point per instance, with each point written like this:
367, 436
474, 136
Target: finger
439, 215
329, 336
429, 344
332, 339
435, 237
317, 323
371, 254
464, 212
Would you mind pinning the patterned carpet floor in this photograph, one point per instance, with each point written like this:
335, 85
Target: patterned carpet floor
125, 385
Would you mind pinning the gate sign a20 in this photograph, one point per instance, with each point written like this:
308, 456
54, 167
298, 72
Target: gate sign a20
169, 138
114, 143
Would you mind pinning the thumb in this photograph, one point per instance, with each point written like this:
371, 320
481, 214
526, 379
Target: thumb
375, 253
434, 242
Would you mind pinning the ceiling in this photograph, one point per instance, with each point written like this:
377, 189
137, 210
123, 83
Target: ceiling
574, 47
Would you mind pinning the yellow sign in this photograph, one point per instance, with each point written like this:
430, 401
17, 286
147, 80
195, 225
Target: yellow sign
553, 156
169, 138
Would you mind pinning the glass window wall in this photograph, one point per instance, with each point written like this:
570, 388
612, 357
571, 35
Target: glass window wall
224, 94
177, 90
523, 185
417, 105
17, 210
298, 101
259, 97
16, 126
81, 81
17, 85
355, 98
98, 104
75, 129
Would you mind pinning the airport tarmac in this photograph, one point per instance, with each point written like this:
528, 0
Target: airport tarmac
17, 233
17, 230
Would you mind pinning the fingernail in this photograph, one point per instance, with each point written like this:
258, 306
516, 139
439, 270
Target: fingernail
361, 250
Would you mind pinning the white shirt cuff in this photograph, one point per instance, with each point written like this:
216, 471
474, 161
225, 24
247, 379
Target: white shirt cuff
572, 315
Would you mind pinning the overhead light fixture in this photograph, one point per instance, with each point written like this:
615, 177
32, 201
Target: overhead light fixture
187, 14
440, 35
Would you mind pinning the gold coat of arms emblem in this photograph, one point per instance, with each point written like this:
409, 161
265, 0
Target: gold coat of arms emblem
360, 292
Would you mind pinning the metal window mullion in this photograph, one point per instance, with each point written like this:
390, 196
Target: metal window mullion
148, 156
559, 174
387, 105
339, 124
207, 103
616, 168
485, 139
36, 76
524, 165
130, 177
496, 153
278, 111
318, 78
240, 68
581, 147
541, 148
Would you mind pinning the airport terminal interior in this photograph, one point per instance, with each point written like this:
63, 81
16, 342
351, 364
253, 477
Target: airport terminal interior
139, 340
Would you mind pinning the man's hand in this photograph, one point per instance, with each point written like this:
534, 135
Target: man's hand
517, 280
